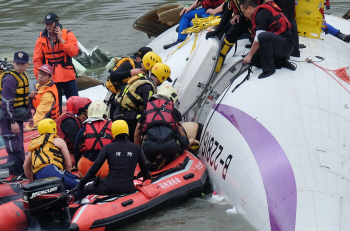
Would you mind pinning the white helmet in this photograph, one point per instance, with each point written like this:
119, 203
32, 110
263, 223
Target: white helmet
97, 109
167, 90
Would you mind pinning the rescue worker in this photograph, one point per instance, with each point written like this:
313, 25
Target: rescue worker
209, 7
69, 103
49, 157
288, 9
122, 157
14, 94
69, 124
132, 101
56, 47
273, 41
149, 60
95, 134
123, 70
239, 26
160, 126
45, 99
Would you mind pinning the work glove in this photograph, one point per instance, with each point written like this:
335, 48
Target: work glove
211, 34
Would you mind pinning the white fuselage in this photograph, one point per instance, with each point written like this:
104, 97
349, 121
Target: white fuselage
278, 148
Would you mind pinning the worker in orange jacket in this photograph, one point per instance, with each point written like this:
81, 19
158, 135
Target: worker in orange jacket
45, 99
56, 47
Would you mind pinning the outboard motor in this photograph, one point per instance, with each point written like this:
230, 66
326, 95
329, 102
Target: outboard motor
46, 200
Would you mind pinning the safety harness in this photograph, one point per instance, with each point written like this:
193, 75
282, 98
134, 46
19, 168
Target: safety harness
97, 135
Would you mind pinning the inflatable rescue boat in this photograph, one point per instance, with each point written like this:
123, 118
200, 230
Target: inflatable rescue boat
46, 201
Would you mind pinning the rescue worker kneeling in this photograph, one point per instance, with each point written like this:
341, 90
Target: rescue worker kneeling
122, 157
49, 156
132, 101
160, 126
96, 133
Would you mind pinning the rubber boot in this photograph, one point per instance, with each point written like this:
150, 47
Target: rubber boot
344, 37
226, 47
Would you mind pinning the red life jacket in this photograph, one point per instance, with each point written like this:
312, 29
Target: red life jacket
211, 4
97, 134
160, 112
280, 22
60, 133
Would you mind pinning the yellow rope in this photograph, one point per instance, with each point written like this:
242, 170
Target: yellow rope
199, 24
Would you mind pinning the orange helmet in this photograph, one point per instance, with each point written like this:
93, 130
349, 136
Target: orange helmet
81, 105
70, 102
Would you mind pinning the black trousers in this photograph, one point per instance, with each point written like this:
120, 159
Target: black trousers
273, 49
237, 30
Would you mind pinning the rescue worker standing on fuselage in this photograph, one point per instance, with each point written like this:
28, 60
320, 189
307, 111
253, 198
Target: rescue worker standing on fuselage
56, 47
122, 157
15, 109
49, 156
273, 42
132, 101
92, 137
123, 70
45, 99
69, 124
240, 26
160, 125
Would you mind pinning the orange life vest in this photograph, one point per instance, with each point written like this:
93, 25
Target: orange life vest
280, 22
56, 56
55, 110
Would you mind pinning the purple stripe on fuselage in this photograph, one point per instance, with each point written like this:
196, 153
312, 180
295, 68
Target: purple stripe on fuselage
275, 168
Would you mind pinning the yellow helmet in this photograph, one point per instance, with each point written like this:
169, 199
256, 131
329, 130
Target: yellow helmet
120, 127
150, 59
47, 126
97, 109
162, 72
167, 90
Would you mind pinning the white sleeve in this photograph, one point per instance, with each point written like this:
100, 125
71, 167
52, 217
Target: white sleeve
256, 35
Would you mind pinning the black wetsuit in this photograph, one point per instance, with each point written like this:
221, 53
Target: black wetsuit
122, 157
274, 49
131, 116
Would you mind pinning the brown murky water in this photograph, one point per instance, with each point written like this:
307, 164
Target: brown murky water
108, 24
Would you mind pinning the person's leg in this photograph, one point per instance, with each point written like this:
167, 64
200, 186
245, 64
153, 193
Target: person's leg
186, 21
231, 38
59, 89
334, 31
70, 181
272, 47
14, 147
132, 127
184, 24
70, 89
91, 188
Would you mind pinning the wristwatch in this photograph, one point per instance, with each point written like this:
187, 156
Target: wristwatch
13, 121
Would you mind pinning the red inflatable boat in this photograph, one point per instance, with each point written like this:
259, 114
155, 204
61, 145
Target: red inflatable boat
183, 178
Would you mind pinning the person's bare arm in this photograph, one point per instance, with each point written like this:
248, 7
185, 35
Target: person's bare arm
59, 143
27, 165
195, 5
137, 134
179, 129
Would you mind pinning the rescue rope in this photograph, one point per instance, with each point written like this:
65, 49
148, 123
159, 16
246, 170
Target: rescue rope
340, 73
199, 24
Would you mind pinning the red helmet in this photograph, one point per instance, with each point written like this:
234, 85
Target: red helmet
47, 69
70, 102
81, 105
